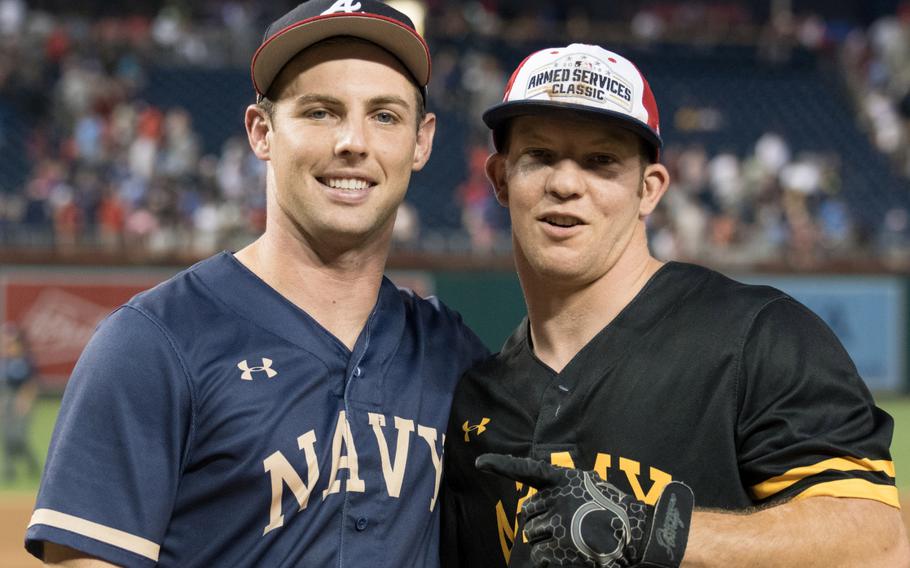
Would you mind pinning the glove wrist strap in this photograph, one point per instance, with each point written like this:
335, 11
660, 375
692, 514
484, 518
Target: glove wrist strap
669, 535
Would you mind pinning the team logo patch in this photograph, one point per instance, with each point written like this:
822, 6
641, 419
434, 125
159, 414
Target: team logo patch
266, 367
343, 6
477, 429
581, 76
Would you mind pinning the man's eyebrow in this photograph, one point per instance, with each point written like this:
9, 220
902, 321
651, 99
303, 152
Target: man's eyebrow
316, 98
610, 139
330, 100
389, 100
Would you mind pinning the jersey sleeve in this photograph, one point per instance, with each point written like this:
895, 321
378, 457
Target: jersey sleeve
118, 445
807, 424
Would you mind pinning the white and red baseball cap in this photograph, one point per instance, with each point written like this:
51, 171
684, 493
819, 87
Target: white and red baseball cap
316, 20
583, 78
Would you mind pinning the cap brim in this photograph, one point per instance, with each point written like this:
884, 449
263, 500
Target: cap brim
496, 117
400, 40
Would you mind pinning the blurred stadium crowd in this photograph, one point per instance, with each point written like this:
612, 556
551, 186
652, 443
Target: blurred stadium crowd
786, 131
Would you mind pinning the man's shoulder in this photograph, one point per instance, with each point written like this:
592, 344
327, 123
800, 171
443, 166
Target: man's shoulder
181, 295
497, 371
430, 312
708, 288
431, 323
424, 306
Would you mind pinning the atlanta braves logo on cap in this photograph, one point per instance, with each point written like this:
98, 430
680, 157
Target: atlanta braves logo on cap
343, 6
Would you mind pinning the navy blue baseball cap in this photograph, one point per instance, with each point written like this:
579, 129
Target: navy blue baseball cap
316, 20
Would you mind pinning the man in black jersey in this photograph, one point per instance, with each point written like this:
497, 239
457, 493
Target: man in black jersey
659, 377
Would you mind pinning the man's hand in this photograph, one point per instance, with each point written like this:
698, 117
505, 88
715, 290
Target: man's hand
577, 519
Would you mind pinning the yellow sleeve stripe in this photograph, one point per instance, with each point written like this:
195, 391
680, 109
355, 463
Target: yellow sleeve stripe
859, 488
777, 484
96, 531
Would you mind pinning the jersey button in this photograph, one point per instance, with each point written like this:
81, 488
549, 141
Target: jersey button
357, 371
361, 523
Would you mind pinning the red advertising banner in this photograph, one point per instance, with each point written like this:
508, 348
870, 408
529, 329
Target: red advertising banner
59, 310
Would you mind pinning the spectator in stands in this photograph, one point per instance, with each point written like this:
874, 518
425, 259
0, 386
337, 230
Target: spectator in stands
476, 199
111, 221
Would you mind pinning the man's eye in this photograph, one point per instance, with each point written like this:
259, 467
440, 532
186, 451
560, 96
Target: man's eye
318, 114
602, 160
386, 117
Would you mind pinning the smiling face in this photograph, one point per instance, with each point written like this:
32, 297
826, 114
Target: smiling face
341, 142
578, 192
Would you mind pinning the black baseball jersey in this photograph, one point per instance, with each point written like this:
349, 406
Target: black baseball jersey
737, 390
210, 422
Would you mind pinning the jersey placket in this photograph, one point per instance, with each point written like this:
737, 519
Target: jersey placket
552, 431
362, 395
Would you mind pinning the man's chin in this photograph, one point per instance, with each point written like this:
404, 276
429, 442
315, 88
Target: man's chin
561, 269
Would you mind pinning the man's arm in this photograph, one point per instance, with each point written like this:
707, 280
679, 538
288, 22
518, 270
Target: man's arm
56, 555
575, 514
127, 413
817, 531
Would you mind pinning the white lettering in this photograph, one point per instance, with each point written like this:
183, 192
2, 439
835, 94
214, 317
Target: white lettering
281, 472
348, 461
429, 434
393, 474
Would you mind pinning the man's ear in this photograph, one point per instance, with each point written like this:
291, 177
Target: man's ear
654, 183
495, 168
258, 126
425, 133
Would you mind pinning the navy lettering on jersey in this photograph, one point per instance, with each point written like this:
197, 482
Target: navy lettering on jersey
282, 473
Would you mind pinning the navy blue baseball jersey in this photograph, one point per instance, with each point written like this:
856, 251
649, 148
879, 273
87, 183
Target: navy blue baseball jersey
210, 422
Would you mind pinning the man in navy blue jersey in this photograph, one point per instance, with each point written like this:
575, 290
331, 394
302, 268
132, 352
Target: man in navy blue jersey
285, 405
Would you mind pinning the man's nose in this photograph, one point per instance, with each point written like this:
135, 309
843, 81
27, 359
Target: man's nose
566, 179
351, 139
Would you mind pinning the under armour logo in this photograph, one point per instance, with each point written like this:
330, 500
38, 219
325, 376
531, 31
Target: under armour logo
478, 429
248, 371
343, 6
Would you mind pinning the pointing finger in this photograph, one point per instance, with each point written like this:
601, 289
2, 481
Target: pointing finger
537, 474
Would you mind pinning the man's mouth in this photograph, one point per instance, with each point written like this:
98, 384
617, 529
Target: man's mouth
346, 184
561, 221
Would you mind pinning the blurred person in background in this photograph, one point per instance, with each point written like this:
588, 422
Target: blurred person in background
17, 397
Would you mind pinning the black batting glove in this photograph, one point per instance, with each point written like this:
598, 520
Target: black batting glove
578, 519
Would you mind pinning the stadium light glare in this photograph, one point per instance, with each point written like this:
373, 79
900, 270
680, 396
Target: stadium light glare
414, 9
